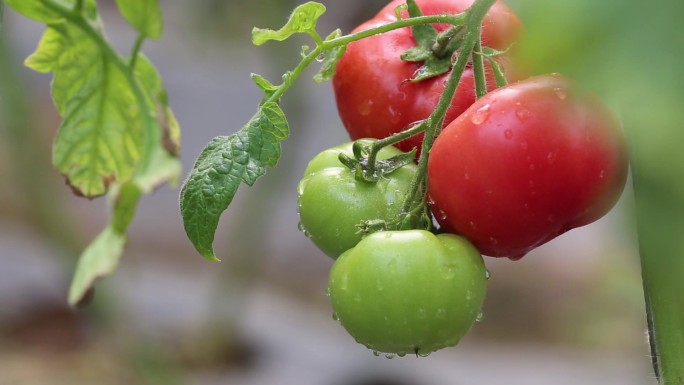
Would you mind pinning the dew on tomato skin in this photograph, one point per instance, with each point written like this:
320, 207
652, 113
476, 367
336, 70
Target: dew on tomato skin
524, 146
472, 225
523, 114
481, 115
430, 200
303, 229
442, 215
365, 108
466, 176
516, 257
532, 167
602, 174
394, 115
493, 240
508, 134
551, 157
560, 93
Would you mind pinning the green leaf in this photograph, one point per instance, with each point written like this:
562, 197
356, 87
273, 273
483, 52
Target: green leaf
226, 162
100, 138
425, 36
265, 85
144, 15
99, 259
36, 10
302, 20
332, 57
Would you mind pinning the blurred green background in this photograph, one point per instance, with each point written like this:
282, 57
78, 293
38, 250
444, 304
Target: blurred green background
572, 312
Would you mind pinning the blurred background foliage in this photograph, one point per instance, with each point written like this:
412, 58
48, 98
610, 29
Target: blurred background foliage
572, 312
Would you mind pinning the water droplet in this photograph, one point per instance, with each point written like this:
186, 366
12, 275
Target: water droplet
523, 114
560, 93
472, 225
327, 292
303, 229
479, 317
508, 134
394, 115
401, 354
532, 166
392, 266
376, 353
335, 316
422, 313
430, 200
366, 108
321, 57
389, 356
448, 271
442, 215
516, 257
488, 274
441, 312
379, 285
422, 354
531, 184
469, 295
523, 146
551, 157
493, 241
481, 115
466, 176
602, 174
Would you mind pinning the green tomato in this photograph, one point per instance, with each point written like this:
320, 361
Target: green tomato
404, 292
332, 203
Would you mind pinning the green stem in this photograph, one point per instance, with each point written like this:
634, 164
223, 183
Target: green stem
479, 71
345, 40
475, 14
390, 140
136, 50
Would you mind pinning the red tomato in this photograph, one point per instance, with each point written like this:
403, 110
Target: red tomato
525, 164
375, 98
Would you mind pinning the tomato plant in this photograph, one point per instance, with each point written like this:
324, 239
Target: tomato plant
375, 97
333, 203
525, 164
408, 291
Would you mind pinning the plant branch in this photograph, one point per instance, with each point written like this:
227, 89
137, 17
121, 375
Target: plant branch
475, 14
479, 70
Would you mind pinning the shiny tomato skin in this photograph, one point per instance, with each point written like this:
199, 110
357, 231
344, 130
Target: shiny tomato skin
405, 292
525, 164
373, 94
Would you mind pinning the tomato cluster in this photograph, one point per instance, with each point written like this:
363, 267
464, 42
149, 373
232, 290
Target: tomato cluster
508, 172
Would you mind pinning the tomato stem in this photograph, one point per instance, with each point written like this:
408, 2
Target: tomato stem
475, 15
479, 71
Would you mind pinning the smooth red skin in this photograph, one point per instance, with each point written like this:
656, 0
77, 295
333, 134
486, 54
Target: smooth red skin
373, 94
543, 159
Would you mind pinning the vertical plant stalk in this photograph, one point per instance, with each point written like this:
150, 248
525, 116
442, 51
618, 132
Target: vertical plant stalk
662, 263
